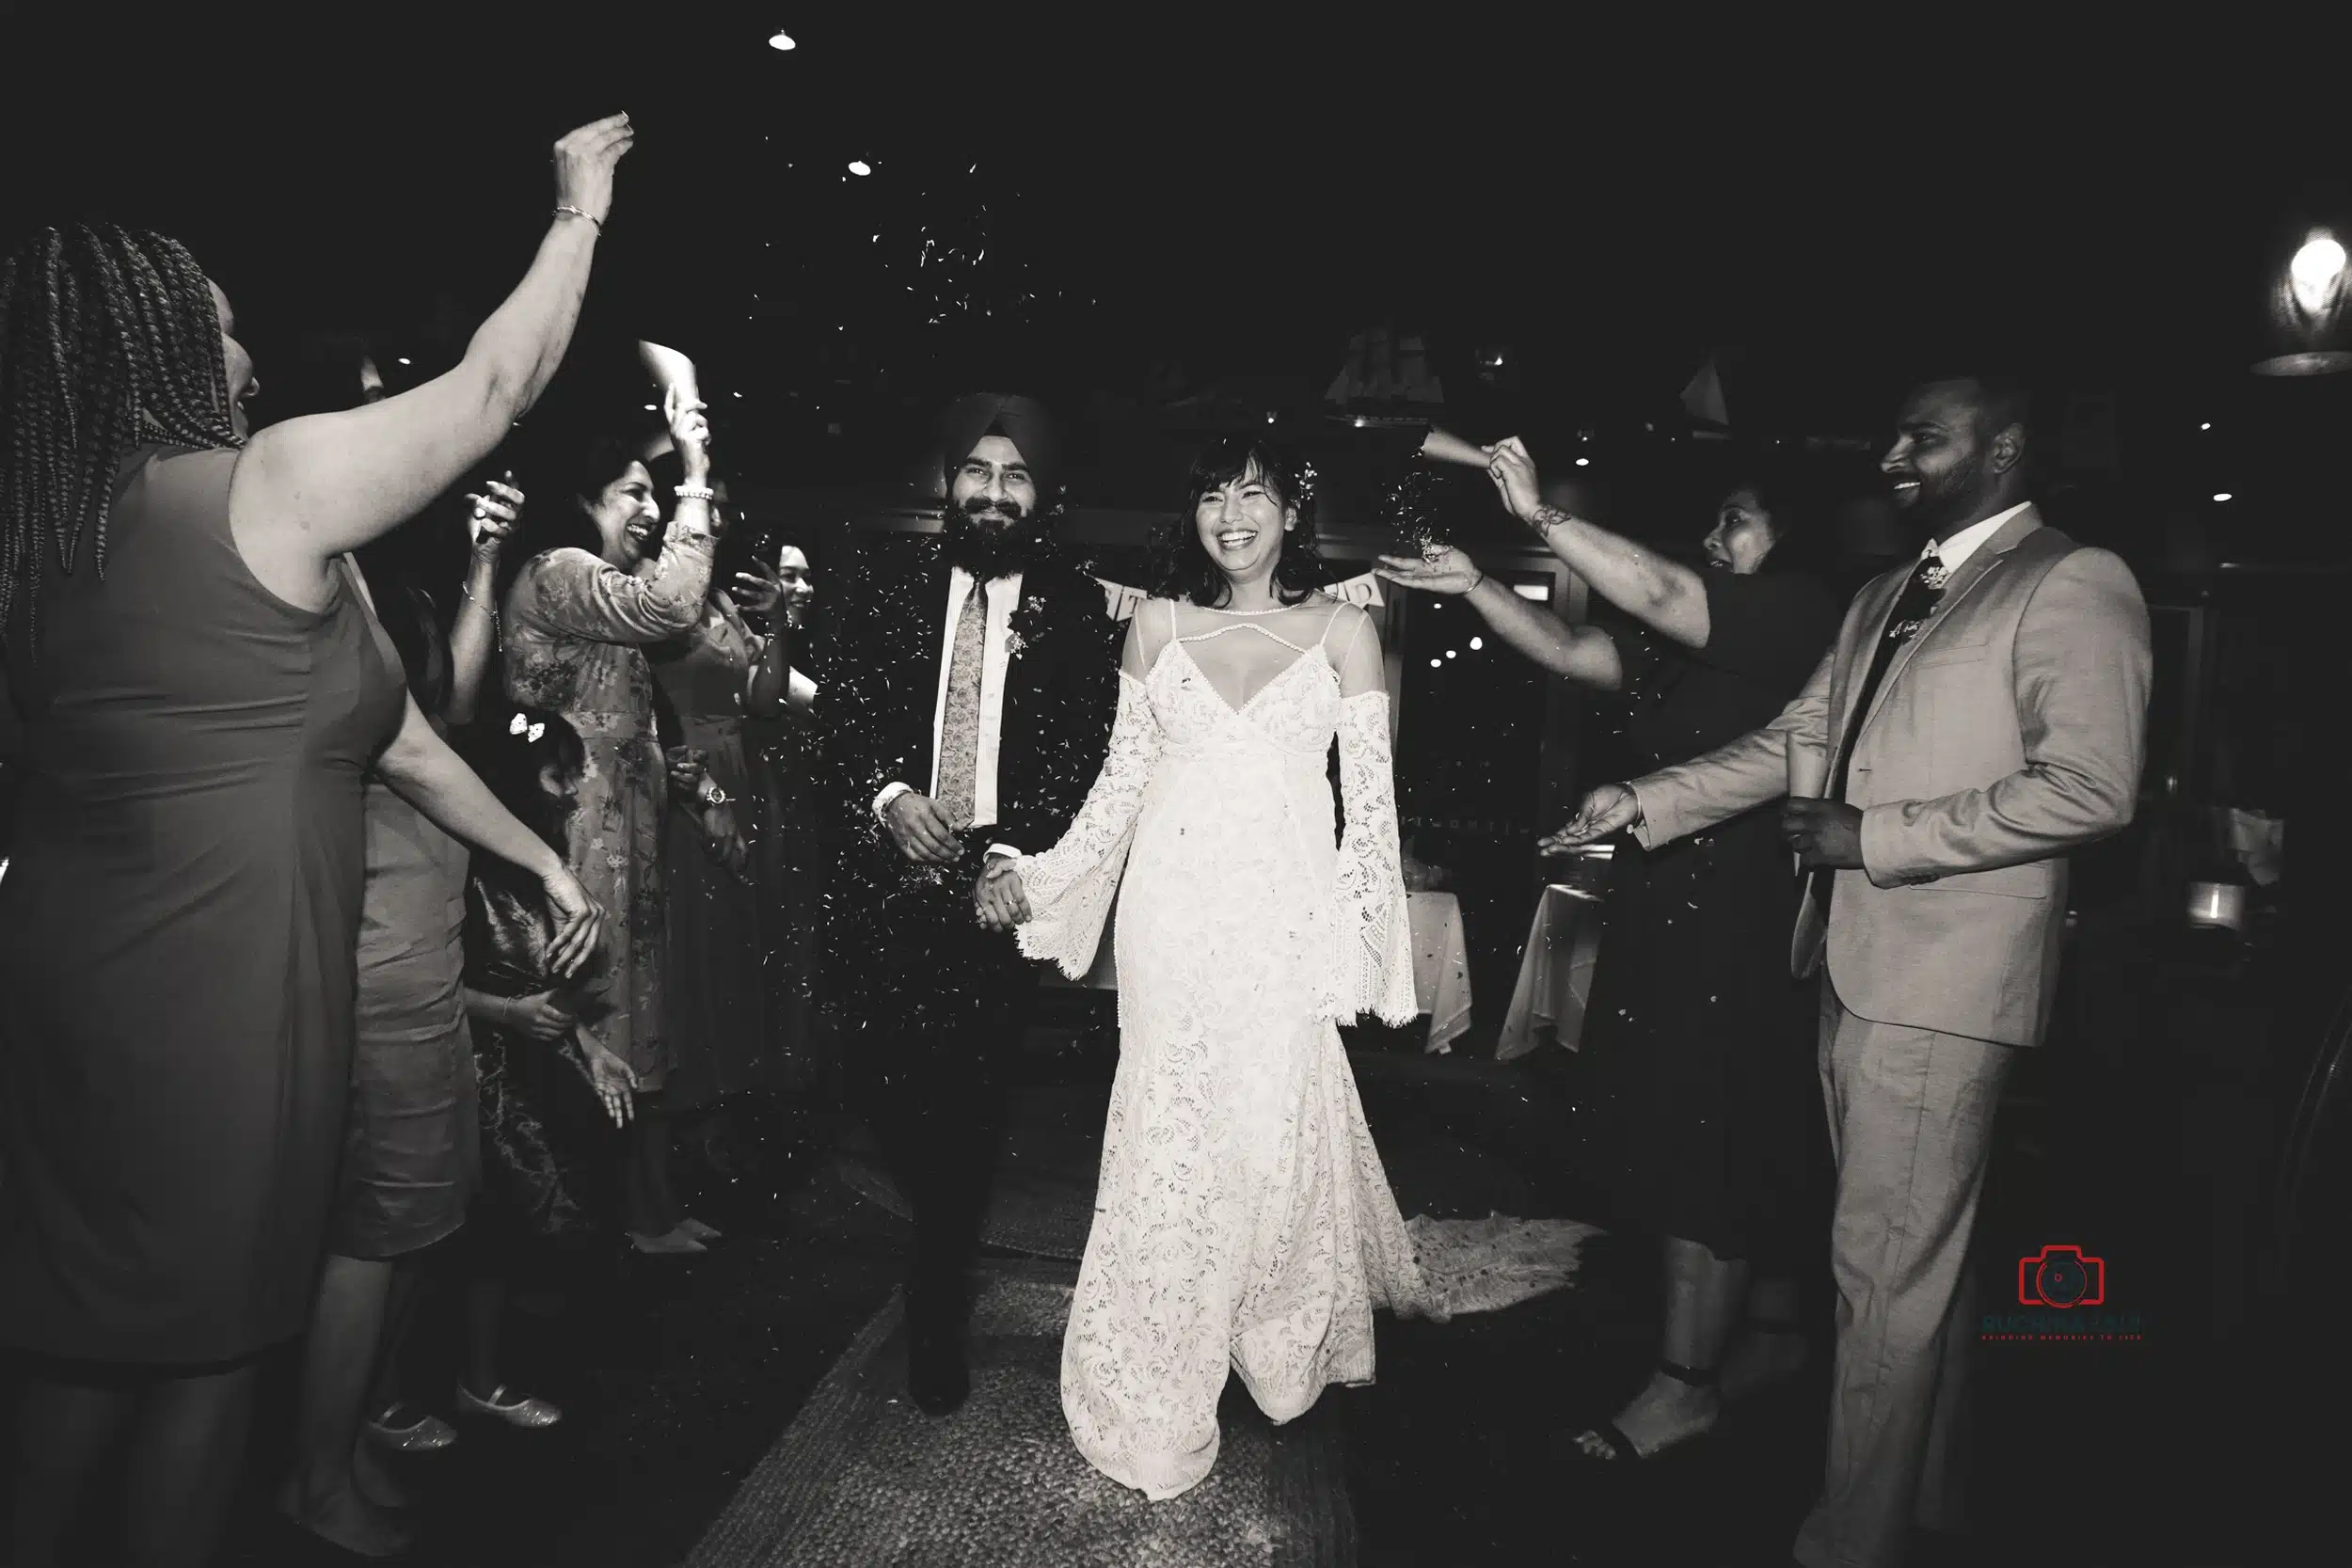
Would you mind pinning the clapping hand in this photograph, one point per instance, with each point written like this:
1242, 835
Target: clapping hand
584, 161
1605, 810
494, 517
999, 896
579, 923
1445, 570
1514, 474
759, 589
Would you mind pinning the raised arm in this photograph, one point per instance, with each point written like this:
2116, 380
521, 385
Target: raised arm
1662, 594
1585, 654
311, 489
474, 632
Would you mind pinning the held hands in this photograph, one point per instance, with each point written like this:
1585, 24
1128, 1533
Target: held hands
1824, 832
584, 161
494, 518
920, 830
690, 430
579, 923
1605, 810
999, 896
1449, 571
1514, 474
539, 1017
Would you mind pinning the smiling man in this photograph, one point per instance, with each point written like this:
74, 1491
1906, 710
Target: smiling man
965, 710
1982, 713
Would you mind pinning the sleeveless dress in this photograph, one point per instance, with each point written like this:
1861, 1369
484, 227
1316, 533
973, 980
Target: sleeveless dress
715, 988
576, 632
176, 936
1243, 1218
412, 1149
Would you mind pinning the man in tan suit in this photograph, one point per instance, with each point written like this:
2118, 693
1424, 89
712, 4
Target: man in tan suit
1982, 712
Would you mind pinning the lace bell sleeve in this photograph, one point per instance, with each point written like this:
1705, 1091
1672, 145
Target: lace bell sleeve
1373, 959
1070, 886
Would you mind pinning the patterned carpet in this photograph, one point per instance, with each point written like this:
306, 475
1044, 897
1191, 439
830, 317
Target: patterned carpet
863, 1478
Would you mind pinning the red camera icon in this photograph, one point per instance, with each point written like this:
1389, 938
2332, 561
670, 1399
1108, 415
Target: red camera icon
2062, 1276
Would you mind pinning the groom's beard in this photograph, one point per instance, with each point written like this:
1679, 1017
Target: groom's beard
993, 549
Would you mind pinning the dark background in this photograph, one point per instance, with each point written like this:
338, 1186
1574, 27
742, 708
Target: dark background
1124, 211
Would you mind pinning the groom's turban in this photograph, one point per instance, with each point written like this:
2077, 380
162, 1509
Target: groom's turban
1024, 421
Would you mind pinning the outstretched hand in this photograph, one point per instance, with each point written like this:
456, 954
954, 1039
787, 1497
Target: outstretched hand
494, 515
1443, 571
1605, 810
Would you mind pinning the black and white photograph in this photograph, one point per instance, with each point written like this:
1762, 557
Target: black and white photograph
799, 787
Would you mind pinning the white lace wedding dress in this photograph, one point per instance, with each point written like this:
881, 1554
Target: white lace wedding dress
1243, 1218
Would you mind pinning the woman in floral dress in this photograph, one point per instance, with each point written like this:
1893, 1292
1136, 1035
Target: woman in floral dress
578, 620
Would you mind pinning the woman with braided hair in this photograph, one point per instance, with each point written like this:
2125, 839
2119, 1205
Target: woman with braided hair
203, 689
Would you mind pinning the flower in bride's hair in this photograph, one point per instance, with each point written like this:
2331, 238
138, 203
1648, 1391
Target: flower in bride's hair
518, 725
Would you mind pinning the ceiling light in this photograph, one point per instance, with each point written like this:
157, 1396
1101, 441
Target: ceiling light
860, 167
781, 40
1584, 462
2222, 496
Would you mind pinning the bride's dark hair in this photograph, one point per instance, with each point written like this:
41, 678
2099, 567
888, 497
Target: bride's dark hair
1183, 569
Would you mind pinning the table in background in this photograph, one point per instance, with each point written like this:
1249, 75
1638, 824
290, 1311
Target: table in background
1441, 986
1556, 974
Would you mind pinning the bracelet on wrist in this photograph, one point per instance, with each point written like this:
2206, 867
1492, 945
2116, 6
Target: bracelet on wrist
696, 493
567, 209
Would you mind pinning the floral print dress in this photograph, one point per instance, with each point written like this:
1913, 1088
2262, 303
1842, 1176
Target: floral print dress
574, 633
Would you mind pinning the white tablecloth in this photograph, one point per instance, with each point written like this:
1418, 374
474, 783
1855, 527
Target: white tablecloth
1440, 965
1555, 975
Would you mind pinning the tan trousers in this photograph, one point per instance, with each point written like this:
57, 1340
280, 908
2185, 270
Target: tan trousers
1911, 1123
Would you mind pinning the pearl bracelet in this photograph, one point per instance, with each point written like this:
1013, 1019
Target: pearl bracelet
696, 493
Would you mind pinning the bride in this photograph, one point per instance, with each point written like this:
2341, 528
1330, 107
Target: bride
1243, 1218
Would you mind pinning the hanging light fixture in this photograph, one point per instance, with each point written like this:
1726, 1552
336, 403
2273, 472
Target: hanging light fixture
2309, 294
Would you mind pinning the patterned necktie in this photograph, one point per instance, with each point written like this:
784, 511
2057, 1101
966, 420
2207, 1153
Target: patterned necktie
1913, 606
960, 727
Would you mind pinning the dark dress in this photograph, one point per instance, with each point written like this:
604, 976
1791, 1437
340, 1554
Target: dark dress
176, 935
714, 985
1698, 1045
541, 1126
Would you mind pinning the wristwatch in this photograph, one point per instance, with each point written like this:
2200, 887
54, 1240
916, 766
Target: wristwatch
715, 797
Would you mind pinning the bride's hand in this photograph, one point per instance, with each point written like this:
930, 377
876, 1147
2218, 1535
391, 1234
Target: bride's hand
999, 898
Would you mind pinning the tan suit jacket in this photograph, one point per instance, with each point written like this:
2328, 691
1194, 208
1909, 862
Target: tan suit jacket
2010, 730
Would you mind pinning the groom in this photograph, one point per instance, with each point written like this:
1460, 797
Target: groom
1982, 713
966, 713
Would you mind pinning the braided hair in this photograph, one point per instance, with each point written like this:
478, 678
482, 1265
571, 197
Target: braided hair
108, 339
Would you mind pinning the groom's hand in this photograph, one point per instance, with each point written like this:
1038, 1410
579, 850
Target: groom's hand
920, 830
1824, 832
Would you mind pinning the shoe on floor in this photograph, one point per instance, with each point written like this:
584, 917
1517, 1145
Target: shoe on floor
673, 1244
517, 1411
424, 1433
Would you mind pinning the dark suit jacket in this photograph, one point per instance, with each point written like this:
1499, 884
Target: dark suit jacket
877, 694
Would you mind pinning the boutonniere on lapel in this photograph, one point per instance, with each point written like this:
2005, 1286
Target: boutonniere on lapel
1935, 577
1028, 620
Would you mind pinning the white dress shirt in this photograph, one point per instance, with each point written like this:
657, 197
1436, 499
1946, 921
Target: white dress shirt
1960, 546
1004, 595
